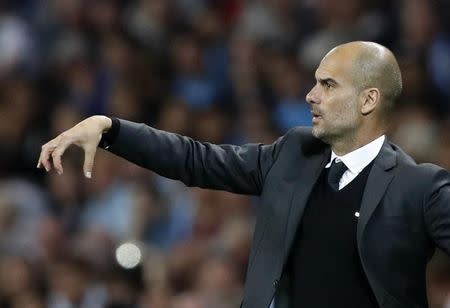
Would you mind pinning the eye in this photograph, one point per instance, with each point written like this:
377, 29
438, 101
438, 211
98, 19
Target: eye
328, 84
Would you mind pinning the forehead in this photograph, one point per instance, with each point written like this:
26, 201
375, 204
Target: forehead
338, 65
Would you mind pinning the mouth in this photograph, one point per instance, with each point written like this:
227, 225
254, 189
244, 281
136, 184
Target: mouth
315, 116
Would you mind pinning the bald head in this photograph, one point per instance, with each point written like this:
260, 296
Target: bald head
373, 66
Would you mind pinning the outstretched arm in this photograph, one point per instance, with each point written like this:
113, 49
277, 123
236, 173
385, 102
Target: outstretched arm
239, 169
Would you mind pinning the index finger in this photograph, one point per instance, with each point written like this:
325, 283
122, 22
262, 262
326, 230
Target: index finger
46, 151
57, 153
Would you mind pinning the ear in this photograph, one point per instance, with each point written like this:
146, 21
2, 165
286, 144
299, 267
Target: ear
370, 100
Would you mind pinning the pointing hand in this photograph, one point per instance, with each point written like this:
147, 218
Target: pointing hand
86, 134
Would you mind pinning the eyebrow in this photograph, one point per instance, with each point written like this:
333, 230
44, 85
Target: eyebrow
327, 80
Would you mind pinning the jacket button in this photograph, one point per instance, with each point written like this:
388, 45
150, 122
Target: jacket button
275, 283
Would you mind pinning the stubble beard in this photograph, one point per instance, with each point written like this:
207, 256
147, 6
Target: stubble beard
317, 132
344, 129
321, 134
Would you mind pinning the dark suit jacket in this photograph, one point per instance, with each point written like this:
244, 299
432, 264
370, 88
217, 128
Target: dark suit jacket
405, 210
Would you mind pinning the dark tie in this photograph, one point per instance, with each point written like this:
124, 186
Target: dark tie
335, 173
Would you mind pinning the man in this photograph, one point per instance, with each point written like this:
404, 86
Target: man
347, 218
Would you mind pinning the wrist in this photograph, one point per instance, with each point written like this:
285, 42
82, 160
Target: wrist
110, 130
104, 122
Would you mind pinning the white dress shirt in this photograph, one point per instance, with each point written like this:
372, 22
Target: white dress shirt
357, 160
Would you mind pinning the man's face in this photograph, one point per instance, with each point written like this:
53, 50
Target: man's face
334, 98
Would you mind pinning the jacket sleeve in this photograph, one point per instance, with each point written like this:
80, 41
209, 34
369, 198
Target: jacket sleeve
238, 169
437, 210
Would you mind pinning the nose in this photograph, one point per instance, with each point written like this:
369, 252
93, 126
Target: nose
312, 96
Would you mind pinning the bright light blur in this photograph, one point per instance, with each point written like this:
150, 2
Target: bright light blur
128, 255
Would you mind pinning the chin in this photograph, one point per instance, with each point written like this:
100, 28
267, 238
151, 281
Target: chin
320, 134
317, 132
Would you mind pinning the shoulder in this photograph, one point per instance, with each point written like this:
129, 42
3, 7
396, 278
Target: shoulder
424, 174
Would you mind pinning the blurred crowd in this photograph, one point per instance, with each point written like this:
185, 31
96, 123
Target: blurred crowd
221, 71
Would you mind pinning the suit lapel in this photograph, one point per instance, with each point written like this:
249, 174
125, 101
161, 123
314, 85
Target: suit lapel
377, 183
302, 184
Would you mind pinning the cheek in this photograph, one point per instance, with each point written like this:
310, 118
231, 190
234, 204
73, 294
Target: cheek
342, 109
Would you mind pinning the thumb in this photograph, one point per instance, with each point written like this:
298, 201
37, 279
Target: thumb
89, 154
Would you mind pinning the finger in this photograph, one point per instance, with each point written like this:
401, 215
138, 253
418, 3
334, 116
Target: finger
57, 153
89, 155
40, 159
45, 155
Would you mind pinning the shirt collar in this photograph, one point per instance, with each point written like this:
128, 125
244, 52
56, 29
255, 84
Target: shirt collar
358, 159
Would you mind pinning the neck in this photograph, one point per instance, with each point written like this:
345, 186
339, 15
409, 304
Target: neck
348, 144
